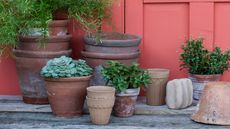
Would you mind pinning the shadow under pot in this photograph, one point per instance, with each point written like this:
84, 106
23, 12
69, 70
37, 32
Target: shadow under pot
67, 95
125, 103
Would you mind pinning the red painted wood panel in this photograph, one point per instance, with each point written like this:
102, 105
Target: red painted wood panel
9, 84
166, 24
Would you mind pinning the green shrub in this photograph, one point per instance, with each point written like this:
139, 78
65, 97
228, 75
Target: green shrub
65, 67
198, 60
122, 76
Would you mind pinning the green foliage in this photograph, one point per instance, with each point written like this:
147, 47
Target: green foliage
91, 13
122, 76
198, 60
66, 67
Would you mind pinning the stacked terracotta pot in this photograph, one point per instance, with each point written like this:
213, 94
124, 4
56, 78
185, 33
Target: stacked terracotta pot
120, 47
100, 101
30, 58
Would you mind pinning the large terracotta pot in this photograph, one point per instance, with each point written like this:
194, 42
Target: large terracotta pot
213, 107
30, 58
29, 65
199, 82
67, 95
156, 91
111, 46
100, 101
125, 103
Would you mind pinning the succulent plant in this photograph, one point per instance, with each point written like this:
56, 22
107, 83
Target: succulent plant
66, 67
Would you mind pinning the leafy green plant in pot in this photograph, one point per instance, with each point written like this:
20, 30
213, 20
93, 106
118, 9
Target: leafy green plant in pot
66, 82
127, 81
101, 46
203, 65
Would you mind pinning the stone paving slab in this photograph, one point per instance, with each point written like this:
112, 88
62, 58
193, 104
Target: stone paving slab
141, 108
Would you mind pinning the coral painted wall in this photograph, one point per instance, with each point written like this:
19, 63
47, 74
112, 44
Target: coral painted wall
166, 24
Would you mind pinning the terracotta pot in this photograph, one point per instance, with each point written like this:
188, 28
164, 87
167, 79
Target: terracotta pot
156, 91
214, 104
112, 43
125, 103
100, 109
58, 27
60, 14
29, 65
199, 82
100, 92
96, 59
67, 95
53, 43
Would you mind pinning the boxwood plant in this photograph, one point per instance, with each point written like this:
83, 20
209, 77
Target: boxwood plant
63, 67
123, 77
199, 60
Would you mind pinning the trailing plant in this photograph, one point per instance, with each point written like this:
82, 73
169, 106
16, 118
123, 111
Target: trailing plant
122, 76
198, 60
65, 67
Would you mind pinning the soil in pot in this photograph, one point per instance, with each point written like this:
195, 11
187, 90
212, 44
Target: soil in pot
125, 103
156, 91
200, 81
67, 95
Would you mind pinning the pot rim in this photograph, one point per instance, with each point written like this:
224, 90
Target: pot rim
58, 23
69, 79
135, 40
50, 39
123, 94
101, 89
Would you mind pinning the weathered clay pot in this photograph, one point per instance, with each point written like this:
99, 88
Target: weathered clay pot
125, 103
96, 59
214, 104
112, 43
156, 91
100, 92
110, 46
29, 65
100, 101
67, 95
199, 82
53, 43
58, 27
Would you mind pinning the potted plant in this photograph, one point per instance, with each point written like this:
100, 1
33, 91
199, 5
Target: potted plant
99, 46
127, 81
66, 82
203, 65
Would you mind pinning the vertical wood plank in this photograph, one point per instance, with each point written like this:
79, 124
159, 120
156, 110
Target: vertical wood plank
202, 22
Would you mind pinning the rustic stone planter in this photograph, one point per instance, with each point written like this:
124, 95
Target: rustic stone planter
125, 103
29, 65
213, 107
199, 82
111, 46
156, 91
67, 95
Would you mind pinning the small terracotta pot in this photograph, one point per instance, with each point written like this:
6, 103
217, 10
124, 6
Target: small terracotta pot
100, 92
199, 82
156, 91
100, 109
67, 95
213, 107
125, 103
29, 65
58, 27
